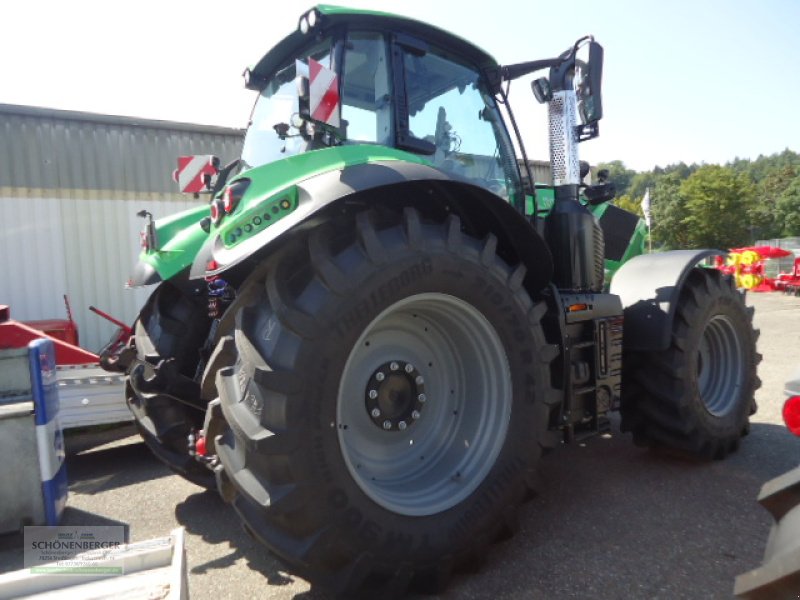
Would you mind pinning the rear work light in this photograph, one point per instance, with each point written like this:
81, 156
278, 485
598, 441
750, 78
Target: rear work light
791, 414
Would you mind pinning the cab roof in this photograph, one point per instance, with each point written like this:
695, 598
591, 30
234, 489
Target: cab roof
335, 17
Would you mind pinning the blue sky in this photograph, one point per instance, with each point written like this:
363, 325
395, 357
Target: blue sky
701, 81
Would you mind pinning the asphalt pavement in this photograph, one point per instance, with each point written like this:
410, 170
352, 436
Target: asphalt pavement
611, 521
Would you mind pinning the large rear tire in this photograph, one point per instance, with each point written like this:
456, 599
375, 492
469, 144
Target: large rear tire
387, 409
171, 326
696, 397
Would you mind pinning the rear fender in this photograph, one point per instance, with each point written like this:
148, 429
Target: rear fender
649, 287
393, 184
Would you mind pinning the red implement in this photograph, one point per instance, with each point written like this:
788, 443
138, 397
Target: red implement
14, 334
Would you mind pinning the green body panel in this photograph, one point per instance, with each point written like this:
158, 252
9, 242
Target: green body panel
545, 197
179, 239
180, 236
330, 9
272, 186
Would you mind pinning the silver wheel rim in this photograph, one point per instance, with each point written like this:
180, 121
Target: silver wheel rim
720, 366
442, 454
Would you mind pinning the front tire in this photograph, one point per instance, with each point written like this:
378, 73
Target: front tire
696, 397
387, 409
172, 325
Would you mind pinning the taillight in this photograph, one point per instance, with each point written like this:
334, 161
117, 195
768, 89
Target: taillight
217, 210
791, 414
228, 200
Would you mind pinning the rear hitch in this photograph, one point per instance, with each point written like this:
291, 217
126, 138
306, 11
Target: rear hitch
196, 445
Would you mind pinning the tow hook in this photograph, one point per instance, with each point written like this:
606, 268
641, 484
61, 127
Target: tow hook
196, 442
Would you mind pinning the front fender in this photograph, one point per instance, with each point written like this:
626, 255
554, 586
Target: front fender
649, 286
389, 182
180, 238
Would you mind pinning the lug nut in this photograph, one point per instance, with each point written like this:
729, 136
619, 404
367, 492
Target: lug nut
376, 412
409, 368
394, 366
415, 415
387, 424
373, 394
419, 380
379, 376
422, 397
402, 425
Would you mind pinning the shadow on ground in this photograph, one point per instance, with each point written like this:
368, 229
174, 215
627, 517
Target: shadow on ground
611, 520
206, 515
114, 467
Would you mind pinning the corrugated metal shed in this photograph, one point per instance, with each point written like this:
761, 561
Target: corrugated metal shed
541, 171
70, 186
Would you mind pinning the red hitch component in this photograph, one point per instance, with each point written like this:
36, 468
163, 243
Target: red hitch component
791, 414
200, 446
125, 329
211, 266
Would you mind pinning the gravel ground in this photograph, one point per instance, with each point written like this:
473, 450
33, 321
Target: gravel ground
612, 520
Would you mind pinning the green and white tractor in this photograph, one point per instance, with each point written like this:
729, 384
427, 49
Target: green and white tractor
369, 336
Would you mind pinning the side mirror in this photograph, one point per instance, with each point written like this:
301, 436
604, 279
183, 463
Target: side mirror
588, 81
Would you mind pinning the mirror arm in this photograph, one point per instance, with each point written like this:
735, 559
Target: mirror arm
498, 75
511, 72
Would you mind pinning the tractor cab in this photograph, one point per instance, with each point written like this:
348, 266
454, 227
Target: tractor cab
341, 81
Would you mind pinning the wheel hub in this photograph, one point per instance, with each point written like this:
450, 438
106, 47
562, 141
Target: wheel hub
395, 396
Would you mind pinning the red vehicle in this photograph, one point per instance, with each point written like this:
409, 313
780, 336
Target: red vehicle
789, 282
88, 394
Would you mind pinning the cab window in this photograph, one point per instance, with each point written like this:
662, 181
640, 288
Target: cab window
366, 90
449, 108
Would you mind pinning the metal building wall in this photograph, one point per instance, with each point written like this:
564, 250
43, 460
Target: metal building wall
70, 186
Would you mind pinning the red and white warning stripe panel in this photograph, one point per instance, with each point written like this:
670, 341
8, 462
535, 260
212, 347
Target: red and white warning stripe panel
324, 103
192, 170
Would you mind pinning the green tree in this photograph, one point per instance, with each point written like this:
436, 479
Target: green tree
765, 216
642, 181
668, 210
788, 209
681, 169
633, 205
718, 202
